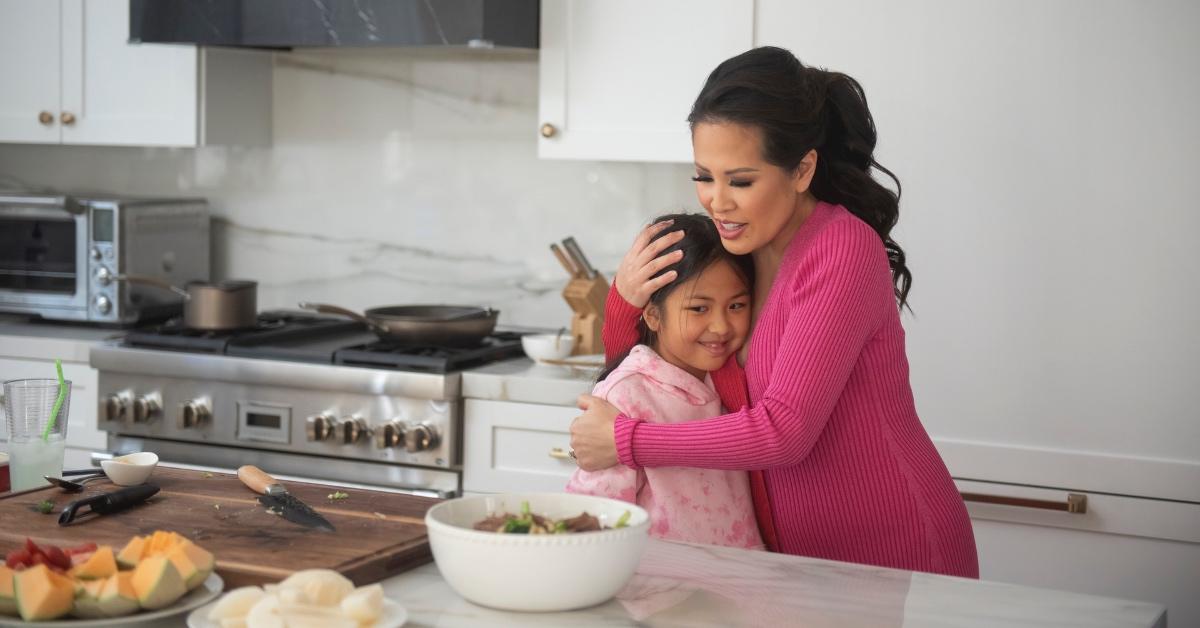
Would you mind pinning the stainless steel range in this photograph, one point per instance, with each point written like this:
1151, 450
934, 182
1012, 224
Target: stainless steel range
300, 395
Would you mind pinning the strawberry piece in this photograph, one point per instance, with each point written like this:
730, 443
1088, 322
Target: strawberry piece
86, 548
56, 557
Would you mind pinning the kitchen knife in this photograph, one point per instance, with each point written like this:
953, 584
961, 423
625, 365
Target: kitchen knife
580, 259
276, 498
566, 263
107, 503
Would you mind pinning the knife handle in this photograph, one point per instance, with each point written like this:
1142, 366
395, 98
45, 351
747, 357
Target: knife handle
124, 498
256, 479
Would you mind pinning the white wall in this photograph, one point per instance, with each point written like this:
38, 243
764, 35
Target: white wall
394, 177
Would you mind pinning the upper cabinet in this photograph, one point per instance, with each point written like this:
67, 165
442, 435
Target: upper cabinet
618, 78
70, 76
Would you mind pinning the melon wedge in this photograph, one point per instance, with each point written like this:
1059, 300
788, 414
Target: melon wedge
8, 601
111, 597
102, 564
43, 594
157, 583
193, 562
131, 554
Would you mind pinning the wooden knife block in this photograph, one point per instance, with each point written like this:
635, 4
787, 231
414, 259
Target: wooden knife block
587, 296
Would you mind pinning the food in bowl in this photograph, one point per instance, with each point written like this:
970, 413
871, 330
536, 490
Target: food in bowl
536, 572
131, 469
529, 523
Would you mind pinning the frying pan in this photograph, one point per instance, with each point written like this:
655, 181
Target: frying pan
448, 325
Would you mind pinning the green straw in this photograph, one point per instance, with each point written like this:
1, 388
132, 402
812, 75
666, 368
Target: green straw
62, 396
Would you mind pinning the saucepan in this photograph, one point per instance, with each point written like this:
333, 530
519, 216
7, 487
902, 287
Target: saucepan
446, 325
211, 305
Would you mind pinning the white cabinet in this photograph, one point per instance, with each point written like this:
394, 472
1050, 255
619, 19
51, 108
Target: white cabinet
618, 78
509, 446
83, 435
71, 76
1125, 547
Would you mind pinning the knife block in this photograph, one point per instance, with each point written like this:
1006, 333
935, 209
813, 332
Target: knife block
586, 296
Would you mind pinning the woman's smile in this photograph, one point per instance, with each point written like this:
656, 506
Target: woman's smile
729, 230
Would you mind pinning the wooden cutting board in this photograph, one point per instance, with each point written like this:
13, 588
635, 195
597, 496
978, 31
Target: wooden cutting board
378, 534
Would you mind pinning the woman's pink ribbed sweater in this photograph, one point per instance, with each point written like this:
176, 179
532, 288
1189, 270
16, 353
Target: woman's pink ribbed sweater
848, 472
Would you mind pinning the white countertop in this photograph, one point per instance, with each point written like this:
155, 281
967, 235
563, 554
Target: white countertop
31, 338
523, 380
693, 585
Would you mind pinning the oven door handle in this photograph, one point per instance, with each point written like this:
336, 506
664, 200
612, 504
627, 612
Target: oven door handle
66, 203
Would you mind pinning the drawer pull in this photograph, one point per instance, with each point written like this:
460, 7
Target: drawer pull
1076, 503
559, 453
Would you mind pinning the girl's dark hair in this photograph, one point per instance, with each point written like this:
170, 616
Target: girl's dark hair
701, 246
798, 109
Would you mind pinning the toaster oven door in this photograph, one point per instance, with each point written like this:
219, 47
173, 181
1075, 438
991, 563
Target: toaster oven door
43, 260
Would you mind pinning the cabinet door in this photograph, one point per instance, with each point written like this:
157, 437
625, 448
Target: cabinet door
29, 71
511, 447
122, 93
618, 78
82, 430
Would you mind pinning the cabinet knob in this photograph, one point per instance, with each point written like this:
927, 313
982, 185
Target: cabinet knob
549, 130
46, 118
67, 118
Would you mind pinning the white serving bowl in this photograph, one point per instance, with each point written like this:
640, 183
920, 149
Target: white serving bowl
130, 469
536, 572
548, 346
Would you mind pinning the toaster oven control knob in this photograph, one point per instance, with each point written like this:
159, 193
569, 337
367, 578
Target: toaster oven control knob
147, 407
103, 304
320, 427
116, 406
95, 253
420, 437
353, 429
104, 276
194, 414
389, 435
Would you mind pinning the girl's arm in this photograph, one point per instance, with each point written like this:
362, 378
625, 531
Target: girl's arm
837, 307
620, 325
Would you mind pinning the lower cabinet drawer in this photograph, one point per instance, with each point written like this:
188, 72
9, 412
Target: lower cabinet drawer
510, 446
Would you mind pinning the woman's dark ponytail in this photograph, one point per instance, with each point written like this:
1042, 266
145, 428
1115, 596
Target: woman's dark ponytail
799, 109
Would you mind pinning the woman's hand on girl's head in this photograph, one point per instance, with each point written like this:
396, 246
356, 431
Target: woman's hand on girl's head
634, 276
592, 439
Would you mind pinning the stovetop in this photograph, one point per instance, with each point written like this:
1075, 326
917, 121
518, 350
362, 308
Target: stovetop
306, 337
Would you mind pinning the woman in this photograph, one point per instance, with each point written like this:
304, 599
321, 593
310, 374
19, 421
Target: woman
824, 408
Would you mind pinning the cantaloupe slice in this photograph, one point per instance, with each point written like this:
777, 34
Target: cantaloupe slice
43, 594
157, 583
8, 601
87, 595
131, 554
193, 562
102, 564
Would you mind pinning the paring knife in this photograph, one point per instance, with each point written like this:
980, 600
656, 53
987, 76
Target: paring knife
276, 498
107, 503
580, 259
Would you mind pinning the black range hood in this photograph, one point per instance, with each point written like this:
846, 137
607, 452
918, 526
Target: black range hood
332, 23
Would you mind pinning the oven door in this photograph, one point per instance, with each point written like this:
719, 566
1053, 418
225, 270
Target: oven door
43, 257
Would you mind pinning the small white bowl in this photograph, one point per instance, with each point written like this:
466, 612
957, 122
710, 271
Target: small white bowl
131, 469
536, 572
548, 346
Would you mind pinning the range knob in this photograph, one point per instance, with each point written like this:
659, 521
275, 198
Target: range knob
194, 414
147, 407
104, 276
116, 406
353, 429
420, 437
389, 435
320, 426
102, 304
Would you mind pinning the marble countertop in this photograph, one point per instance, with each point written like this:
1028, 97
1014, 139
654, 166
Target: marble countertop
32, 338
693, 585
526, 381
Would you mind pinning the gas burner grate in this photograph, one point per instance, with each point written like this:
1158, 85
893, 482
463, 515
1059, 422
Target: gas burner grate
272, 325
432, 359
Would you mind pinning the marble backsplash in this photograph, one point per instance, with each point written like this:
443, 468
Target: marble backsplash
393, 177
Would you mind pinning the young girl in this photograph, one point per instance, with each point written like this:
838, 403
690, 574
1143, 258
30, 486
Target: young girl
689, 327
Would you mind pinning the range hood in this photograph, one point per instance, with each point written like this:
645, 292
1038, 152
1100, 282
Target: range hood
332, 23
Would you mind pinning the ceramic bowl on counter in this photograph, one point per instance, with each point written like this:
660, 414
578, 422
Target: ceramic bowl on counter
547, 346
536, 572
130, 469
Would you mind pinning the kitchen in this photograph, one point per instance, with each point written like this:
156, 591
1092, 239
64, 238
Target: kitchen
371, 175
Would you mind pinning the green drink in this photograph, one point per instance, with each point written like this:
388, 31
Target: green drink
36, 437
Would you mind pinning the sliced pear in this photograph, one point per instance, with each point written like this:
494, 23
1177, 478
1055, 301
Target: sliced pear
236, 604
364, 604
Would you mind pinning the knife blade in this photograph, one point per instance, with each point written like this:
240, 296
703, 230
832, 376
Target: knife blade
107, 503
580, 259
567, 265
276, 498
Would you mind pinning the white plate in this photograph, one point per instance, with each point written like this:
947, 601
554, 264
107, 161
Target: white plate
393, 616
203, 594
